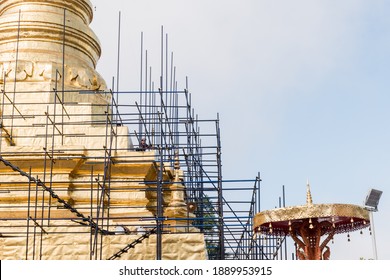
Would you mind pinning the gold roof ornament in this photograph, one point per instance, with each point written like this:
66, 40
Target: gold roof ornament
309, 199
312, 221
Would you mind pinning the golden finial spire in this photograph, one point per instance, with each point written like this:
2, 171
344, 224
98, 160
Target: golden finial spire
177, 160
309, 199
177, 166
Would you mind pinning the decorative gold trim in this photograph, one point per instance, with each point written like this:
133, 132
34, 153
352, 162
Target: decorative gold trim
338, 214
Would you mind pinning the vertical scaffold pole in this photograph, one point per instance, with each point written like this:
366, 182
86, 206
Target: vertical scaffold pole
15, 78
220, 194
63, 76
161, 151
28, 213
159, 195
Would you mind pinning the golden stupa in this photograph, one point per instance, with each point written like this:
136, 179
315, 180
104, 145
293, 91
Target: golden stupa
53, 202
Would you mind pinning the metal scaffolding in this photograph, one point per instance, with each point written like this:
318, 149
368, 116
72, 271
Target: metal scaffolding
174, 135
164, 132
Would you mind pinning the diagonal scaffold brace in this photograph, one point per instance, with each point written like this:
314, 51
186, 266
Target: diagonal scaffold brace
88, 220
133, 244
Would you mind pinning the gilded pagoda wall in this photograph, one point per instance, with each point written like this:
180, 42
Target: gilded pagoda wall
38, 53
77, 247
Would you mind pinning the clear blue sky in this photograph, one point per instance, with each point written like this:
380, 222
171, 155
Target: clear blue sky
302, 88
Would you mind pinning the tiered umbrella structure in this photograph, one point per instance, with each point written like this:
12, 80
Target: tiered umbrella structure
312, 226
